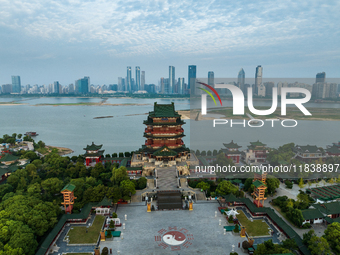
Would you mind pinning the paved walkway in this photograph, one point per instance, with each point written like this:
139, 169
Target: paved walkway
167, 178
146, 233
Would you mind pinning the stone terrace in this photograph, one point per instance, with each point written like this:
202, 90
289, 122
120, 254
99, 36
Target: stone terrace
142, 228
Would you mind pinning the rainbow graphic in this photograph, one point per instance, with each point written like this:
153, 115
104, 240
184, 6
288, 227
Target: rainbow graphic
209, 93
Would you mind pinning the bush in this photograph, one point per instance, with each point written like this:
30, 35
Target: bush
230, 219
289, 184
109, 234
105, 250
306, 225
114, 215
112, 224
233, 253
236, 230
245, 245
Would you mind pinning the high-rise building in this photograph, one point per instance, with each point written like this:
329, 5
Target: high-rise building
142, 81
211, 79
137, 81
166, 86
128, 79
180, 86
162, 86
172, 80
120, 84
83, 85
320, 77
56, 87
71, 88
258, 79
192, 78
16, 84
241, 78
6, 88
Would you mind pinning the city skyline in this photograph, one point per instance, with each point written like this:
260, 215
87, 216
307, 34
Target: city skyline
44, 42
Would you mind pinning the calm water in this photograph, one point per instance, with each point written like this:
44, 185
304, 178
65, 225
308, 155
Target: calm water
74, 127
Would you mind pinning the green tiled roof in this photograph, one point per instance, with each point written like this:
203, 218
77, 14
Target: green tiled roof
8, 157
69, 187
258, 183
164, 152
334, 149
328, 208
164, 110
331, 220
257, 143
232, 145
105, 202
203, 161
311, 214
308, 149
4, 171
93, 147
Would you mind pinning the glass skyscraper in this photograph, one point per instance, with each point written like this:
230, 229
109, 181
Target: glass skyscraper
128, 77
240, 78
192, 78
211, 78
137, 84
171, 79
180, 86
83, 85
16, 84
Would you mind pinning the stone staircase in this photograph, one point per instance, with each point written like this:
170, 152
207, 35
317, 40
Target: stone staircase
167, 178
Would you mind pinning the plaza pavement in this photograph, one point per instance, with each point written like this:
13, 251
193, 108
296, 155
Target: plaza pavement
142, 229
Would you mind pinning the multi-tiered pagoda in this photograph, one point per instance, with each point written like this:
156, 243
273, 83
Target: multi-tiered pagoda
164, 134
93, 153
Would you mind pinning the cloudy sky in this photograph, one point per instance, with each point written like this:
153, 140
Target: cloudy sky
45, 41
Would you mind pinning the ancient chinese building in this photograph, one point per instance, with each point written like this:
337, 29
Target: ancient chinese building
93, 154
68, 193
260, 187
231, 151
256, 153
164, 134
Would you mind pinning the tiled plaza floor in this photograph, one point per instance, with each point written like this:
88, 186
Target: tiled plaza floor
144, 233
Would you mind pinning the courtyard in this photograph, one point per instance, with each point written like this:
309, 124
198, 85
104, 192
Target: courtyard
173, 232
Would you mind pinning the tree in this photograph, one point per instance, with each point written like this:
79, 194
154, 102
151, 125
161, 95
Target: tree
128, 188
127, 154
121, 154
319, 246
301, 184
52, 185
308, 236
114, 155
290, 244
112, 225
332, 235
289, 184
226, 187
141, 182
41, 144
204, 186
198, 153
97, 170
209, 153
214, 152
203, 153
19, 136
247, 184
272, 184
119, 175
107, 156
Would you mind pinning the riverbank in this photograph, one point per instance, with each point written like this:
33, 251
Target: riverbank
61, 150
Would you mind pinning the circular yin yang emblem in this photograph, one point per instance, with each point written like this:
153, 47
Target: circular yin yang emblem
174, 238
